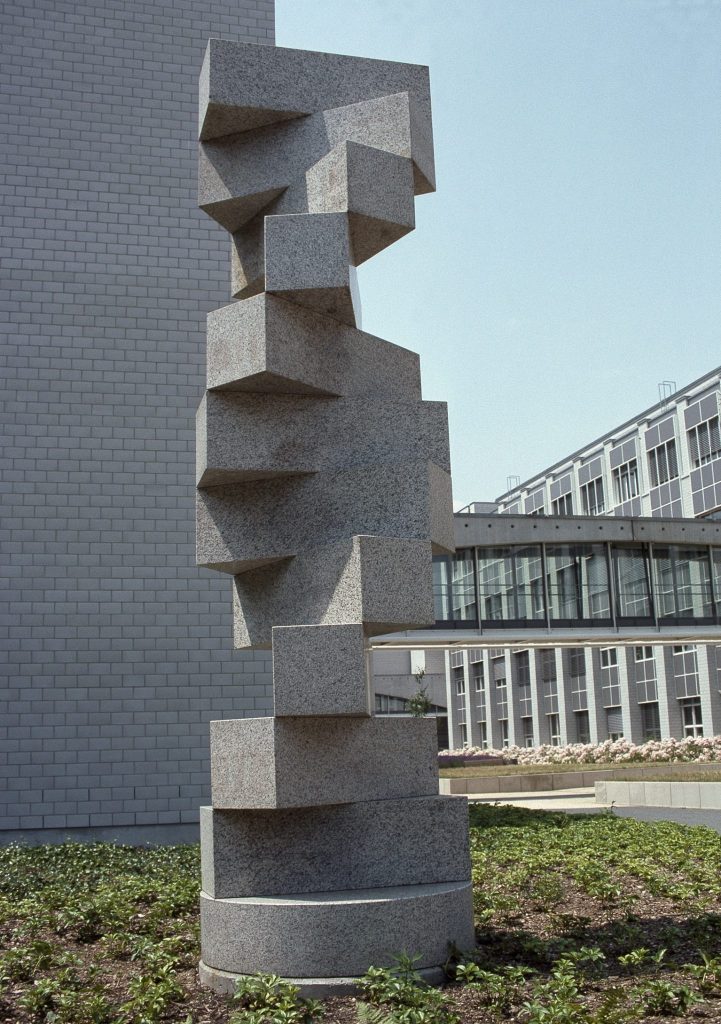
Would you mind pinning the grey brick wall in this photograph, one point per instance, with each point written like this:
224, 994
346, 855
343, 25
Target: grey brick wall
117, 649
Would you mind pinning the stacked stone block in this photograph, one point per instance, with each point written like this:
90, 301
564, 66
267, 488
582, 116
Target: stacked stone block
323, 489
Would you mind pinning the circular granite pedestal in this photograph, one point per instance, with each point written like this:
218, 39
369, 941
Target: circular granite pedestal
324, 941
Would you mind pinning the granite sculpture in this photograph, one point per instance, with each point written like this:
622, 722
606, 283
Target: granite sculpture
323, 489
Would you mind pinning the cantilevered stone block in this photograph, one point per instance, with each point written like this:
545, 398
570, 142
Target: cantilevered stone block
293, 514
244, 86
260, 763
336, 934
383, 582
320, 670
236, 523
373, 187
272, 169
341, 846
268, 345
242, 436
308, 261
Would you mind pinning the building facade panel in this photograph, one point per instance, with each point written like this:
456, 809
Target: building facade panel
118, 649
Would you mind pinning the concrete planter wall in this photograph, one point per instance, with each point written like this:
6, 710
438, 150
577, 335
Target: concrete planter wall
545, 781
660, 794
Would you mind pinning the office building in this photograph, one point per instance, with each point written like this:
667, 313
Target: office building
613, 554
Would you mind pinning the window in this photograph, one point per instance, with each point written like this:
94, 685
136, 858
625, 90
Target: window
625, 481
577, 581
583, 728
549, 683
460, 686
563, 506
577, 675
704, 442
592, 497
610, 685
523, 683
480, 691
527, 726
650, 722
662, 463
683, 582
501, 688
685, 671
633, 593
691, 717
614, 723
454, 587
483, 733
554, 728
645, 665
511, 583
464, 735
504, 733
540, 511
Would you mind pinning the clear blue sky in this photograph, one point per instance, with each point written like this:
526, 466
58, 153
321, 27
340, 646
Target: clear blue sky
570, 259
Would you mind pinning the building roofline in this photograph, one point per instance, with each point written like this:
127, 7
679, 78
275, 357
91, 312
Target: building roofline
645, 414
490, 530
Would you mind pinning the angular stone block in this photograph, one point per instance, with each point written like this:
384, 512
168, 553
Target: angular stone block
373, 187
293, 514
243, 436
336, 934
308, 261
267, 345
343, 846
245, 86
382, 582
303, 762
272, 169
320, 670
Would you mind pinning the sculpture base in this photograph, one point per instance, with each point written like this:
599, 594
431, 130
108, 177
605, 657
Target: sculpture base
335, 935
223, 982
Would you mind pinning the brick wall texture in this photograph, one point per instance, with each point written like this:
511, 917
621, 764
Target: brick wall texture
117, 650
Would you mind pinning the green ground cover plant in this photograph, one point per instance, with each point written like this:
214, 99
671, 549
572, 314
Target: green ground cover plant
580, 920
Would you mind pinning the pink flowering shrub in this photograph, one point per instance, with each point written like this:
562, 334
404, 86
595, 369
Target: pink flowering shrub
698, 748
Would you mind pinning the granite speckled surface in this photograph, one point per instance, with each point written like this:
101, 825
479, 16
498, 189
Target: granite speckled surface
299, 514
303, 936
320, 670
410, 841
323, 488
260, 763
267, 345
243, 88
241, 433
385, 583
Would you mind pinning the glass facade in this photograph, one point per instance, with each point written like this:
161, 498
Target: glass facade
577, 581
683, 583
577, 584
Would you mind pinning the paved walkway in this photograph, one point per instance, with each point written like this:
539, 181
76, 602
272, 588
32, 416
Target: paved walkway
582, 801
576, 801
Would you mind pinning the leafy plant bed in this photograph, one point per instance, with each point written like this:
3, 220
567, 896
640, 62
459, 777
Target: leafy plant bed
581, 920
